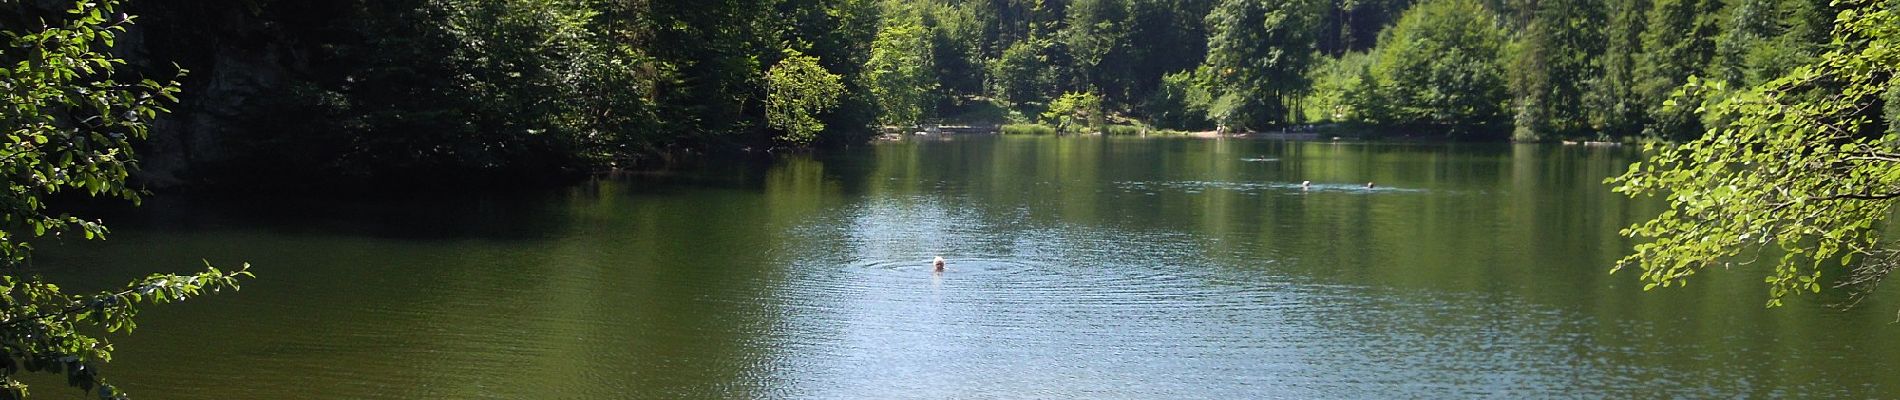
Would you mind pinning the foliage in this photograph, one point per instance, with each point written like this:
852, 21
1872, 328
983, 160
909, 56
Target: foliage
1075, 112
798, 89
1020, 75
1123, 130
1333, 79
1678, 43
1554, 65
1097, 40
1614, 106
1181, 102
71, 118
1164, 37
1354, 25
1258, 52
1441, 65
956, 33
1803, 166
899, 73
1762, 39
441, 89
1028, 129
420, 90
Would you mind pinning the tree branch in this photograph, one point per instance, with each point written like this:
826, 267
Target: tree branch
74, 309
1858, 196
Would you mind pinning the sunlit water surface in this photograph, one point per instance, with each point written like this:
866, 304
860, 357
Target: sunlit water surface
1078, 268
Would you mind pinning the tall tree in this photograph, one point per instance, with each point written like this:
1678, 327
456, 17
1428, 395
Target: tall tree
1615, 107
838, 33
1678, 43
899, 73
797, 90
1554, 66
1442, 64
957, 46
714, 46
1258, 52
1167, 36
1097, 39
1354, 25
1762, 39
1021, 75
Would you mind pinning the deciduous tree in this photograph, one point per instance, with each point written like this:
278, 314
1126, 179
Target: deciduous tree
798, 89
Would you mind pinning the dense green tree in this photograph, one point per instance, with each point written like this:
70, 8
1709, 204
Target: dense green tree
1258, 52
1164, 37
420, 89
714, 47
797, 90
1180, 103
1441, 64
1075, 112
433, 91
1678, 44
1616, 108
1021, 75
1762, 39
1554, 64
1097, 39
957, 49
838, 33
899, 73
1355, 25
70, 117
1803, 166
1333, 78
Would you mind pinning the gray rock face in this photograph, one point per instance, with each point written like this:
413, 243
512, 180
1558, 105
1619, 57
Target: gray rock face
220, 100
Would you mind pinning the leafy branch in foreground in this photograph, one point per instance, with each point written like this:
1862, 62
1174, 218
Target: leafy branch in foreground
1801, 163
40, 326
70, 118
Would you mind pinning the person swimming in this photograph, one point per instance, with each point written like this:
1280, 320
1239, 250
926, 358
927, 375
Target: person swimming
937, 264
1369, 185
1304, 185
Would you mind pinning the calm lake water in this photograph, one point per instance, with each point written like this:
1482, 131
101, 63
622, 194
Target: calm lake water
1079, 268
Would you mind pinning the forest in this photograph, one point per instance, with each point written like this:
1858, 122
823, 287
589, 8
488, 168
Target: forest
427, 89
1768, 127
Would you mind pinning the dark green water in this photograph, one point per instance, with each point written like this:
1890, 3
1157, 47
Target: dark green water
1079, 268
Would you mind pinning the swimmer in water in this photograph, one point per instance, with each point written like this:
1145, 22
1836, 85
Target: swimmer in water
937, 264
1368, 185
1304, 185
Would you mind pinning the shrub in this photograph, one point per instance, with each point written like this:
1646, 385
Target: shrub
1129, 130
1028, 129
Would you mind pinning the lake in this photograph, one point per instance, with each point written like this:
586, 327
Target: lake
1079, 267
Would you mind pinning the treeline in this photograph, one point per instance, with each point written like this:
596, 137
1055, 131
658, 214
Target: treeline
1566, 68
408, 90
434, 88
1520, 69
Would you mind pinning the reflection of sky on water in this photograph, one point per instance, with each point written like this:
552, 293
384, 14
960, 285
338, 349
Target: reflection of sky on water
1029, 311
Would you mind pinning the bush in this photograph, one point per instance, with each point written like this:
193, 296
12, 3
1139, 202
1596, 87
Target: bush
1028, 129
1075, 112
1129, 130
1181, 102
